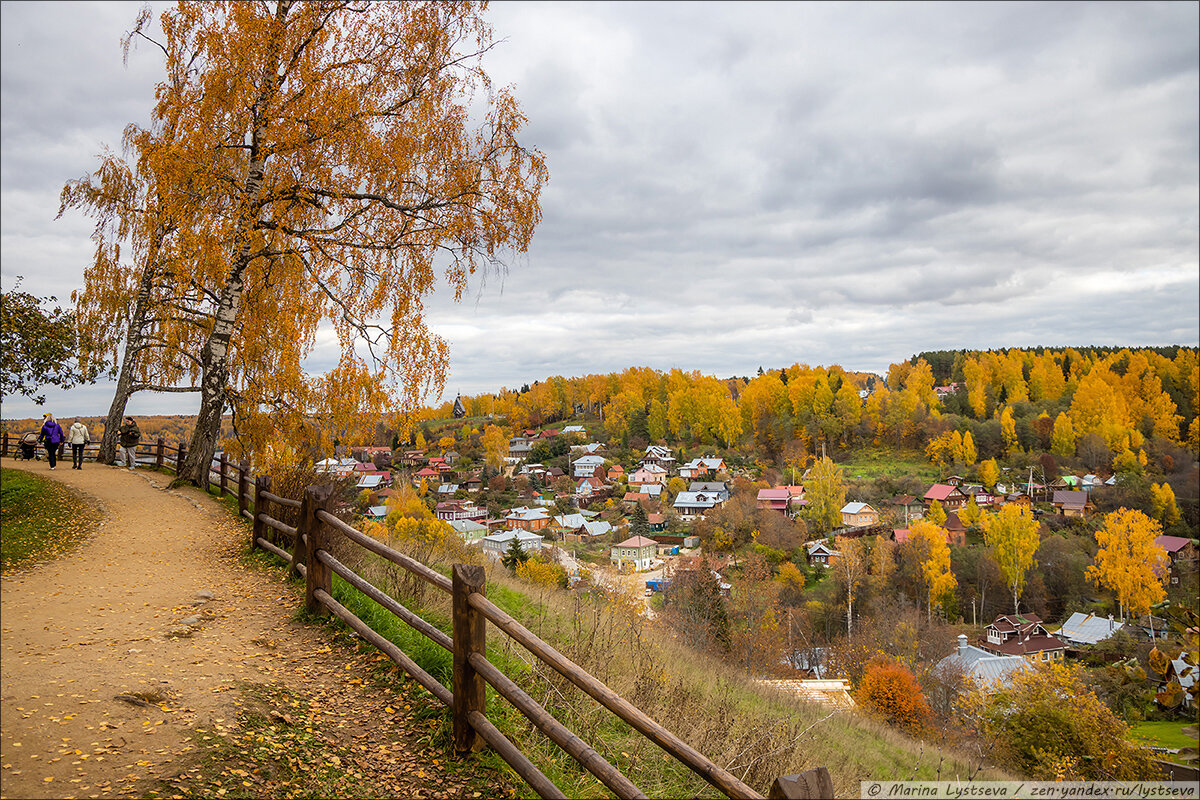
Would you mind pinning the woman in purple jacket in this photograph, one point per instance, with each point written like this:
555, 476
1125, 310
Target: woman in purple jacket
52, 436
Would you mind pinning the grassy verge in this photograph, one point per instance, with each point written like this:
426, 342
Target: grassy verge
1163, 733
41, 519
756, 734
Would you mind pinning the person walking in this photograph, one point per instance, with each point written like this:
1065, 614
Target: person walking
79, 438
52, 437
130, 436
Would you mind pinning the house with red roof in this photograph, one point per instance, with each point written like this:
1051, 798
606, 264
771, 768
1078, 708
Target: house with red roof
1181, 551
949, 496
634, 554
1022, 635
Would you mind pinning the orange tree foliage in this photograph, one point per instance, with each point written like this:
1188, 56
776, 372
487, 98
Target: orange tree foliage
325, 168
1047, 723
1129, 562
890, 691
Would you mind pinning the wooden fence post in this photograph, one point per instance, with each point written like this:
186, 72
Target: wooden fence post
224, 474
179, 460
261, 484
470, 636
4, 449
243, 488
160, 449
317, 574
813, 783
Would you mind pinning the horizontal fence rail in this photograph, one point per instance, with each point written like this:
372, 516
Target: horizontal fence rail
311, 541
310, 557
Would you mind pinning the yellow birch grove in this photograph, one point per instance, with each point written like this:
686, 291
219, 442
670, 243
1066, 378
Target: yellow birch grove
322, 170
1129, 562
1012, 534
1062, 439
930, 539
1166, 510
826, 493
989, 473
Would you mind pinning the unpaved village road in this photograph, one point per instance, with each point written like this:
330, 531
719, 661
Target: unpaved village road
105, 620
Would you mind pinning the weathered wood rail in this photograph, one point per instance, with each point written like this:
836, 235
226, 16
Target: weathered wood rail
311, 557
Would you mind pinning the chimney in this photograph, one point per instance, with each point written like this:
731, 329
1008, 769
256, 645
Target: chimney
962, 643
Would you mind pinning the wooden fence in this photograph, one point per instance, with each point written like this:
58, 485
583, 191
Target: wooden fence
222, 472
312, 544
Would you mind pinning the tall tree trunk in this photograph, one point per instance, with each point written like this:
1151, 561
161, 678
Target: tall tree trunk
133, 350
215, 355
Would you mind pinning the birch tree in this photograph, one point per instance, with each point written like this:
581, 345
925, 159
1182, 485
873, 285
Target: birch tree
1012, 536
334, 162
1129, 562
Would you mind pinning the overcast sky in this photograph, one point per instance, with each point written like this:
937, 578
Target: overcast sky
735, 185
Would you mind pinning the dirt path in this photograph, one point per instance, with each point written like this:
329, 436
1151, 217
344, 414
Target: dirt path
157, 605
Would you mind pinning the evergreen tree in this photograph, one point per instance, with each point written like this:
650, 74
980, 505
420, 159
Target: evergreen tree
515, 555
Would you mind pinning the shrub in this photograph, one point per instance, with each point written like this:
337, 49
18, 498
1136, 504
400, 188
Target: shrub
890, 691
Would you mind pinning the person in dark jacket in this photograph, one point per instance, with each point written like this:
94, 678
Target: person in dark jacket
130, 436
52, 437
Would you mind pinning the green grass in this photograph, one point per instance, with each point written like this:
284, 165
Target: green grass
1163, 734
876, 462
40, 519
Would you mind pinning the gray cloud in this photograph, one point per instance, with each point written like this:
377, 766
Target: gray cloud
736, 185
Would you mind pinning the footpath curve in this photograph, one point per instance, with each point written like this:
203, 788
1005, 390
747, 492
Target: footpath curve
158, 603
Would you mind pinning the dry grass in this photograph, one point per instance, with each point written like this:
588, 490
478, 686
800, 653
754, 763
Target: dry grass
756, 733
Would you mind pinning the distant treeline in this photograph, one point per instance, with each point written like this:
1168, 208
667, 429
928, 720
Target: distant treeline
947, 364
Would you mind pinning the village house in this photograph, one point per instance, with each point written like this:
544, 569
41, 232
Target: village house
518, 449
429, 475
529, 519
908, 506
777, 499
469, 530
697, 467
819, 552
950, 497
1072, 503
1182, 553
1022, 635
711, 487
635, 554
859, 515
956, 531
648, 473
495, 545
451, 510
652, 490
585, 466
693, 505
1083, 629
615, 473
659, 456
987, 670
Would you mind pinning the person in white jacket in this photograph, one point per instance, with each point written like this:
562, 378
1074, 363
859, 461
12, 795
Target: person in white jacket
78, 437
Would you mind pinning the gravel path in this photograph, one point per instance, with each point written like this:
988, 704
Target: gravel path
156, 605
